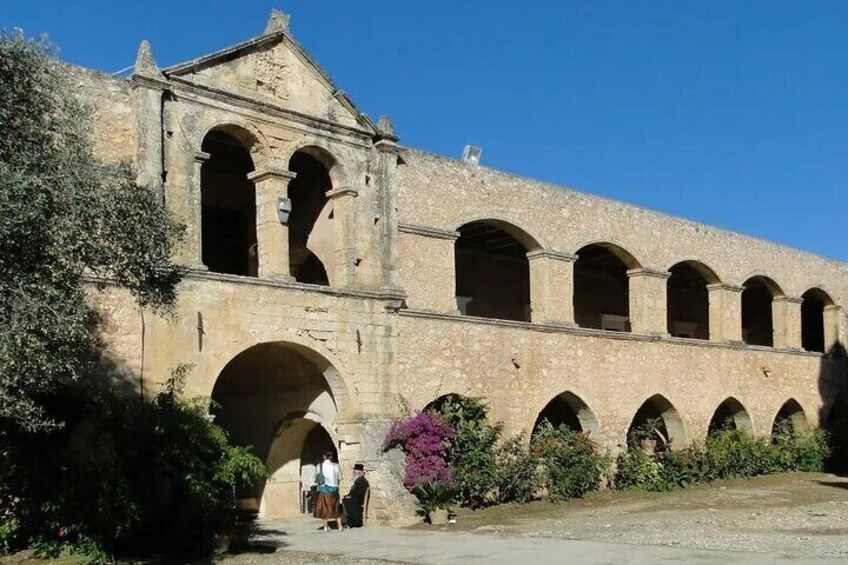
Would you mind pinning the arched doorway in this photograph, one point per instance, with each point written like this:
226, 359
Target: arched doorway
602, 287
312, 238
789, 418
569, 410
656, 426
228, 206
492, 271
757, 314
813, 319
688, 301
731, 415
275, 398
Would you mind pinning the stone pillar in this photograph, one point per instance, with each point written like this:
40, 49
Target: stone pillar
831, 327
388, 152
551, 287
427, 267
194, 237
344, 215
725, 312
786, 322
648, 303
272, 236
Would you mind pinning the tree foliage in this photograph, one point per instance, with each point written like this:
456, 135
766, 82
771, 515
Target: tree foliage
65, 218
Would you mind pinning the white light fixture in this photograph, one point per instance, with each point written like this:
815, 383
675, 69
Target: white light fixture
471, 154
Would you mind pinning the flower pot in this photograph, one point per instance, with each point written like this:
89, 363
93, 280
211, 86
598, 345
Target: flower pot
438, 517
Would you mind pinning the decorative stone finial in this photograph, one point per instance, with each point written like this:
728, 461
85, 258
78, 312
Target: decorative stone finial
145, 65
386, 128
278, 21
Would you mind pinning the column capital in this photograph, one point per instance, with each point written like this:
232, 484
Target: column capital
551, 254
341, 192
202, 157
726, 287
832, 308
643, 272
788, 299
271, 173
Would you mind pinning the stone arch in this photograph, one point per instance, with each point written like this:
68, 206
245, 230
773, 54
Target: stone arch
814, 326
488, 250
758, 324
687, 299
657, 426
615, 248
247, 133
269, 397
790, 415
570, 410
512, 226
731, 414
327, 157
602, 286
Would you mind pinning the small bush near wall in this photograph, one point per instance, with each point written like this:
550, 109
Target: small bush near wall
572, 465
726, 454
519, 473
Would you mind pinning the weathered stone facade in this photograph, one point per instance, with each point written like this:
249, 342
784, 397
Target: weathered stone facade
379, 327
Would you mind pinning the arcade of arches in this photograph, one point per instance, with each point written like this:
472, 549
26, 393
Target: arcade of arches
274, 398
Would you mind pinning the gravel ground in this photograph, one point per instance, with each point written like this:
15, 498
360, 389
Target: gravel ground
287, 557
797, 514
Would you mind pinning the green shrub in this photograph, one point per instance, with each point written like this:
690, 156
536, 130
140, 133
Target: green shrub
434, 496
519, 478
735, 454
802, 449
635, 469
572, 465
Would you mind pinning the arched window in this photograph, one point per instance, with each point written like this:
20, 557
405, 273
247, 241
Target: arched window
569, 410
602, 287
730, 414
688, 308
492, 271
757, 319
311, 228
228, 206
789, 418
812, 319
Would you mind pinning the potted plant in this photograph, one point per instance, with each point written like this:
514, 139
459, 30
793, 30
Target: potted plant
434, 499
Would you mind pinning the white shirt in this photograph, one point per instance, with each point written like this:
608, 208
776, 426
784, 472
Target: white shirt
332, 473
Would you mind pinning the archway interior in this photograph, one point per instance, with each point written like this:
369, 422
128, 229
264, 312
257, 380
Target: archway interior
271, 398
601, 290
228, 207
311, 234
730, 415
789, 418
836, 426
757, 322
812, 320
492, 273
567, 409
317, 442
656, 427
688, 303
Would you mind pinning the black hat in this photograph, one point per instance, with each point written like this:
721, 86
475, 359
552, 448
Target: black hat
359, 467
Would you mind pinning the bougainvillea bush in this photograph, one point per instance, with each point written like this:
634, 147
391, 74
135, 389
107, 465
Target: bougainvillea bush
425, 438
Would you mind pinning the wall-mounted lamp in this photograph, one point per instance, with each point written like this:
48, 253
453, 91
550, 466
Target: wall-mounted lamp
284, 208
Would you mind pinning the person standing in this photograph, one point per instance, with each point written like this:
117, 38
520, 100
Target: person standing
354, 502
328, 478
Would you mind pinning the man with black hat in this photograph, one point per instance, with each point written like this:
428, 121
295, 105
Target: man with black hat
356, 500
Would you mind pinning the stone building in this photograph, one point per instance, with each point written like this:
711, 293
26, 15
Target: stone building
338, 280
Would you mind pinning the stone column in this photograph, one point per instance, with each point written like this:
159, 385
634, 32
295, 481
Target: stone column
194, 237
272, 236
344, 216
427, 267
388, 152
725, 312
786, 322
831, 327
648, 303
551, 287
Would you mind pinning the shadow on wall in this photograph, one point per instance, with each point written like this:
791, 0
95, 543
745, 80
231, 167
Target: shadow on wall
833, 414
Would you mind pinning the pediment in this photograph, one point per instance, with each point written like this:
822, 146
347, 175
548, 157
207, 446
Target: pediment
274, 69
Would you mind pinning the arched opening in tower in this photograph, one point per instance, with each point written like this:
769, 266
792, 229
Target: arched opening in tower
311, 227
688, 308
757, 320
602, 288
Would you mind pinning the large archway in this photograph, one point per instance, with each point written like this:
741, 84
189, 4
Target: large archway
312, 240
813, 319
228, 206
492, 271
688, 302
789, 418
569, 410
602, 287
657, 426
731, 415
275, 399
757, 312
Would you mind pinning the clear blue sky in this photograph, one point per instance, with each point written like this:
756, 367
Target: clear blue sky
725, 112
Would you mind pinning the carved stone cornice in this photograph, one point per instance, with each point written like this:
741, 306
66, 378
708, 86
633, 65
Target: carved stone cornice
725, 287
270, 173
551, 254
341, 192
427, 231
643, 272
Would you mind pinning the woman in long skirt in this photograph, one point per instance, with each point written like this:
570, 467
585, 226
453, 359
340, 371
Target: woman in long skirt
328, 478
